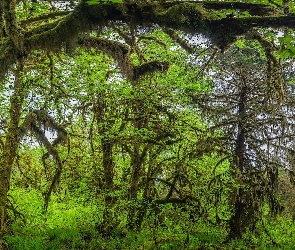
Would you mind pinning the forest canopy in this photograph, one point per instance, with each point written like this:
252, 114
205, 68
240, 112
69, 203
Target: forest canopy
29, 26
157, 118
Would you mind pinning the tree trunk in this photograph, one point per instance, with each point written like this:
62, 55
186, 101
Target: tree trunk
237, 222
108, 166
11, 145
137, 155
145, 200
6, 163
108, 163
136, 167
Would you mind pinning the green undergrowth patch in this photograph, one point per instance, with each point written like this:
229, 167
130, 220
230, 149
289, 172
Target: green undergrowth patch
67, 224
70, 223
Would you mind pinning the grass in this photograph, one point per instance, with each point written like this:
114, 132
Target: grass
71, 224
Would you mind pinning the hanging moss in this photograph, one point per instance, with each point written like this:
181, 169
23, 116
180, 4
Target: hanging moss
54, 35
254, 9
148, 68
122, 54
275, 83
188, 16
8, 55
35, 122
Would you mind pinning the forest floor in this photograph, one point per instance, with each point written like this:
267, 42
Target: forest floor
71, 224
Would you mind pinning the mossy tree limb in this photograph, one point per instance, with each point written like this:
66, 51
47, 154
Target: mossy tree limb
274, 81
15, 133
11, 27
11, 144
36, 122
190, 17
122, 55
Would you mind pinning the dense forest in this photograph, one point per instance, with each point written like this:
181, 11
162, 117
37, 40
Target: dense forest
147, 124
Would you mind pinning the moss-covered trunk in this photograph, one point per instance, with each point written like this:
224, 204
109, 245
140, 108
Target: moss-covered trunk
6, 164
107, 145
12, 141
237, 222
136, 167
138, 156
108, 166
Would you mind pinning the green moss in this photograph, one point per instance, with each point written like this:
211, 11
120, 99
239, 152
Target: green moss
8, 56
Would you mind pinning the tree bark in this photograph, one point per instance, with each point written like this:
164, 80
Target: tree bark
108, 166
136, 167
11, 145
108, 163
237, 222
6, 163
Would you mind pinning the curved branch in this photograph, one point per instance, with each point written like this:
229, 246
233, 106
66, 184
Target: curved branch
45, 17
32, 123
182, 42
190, 17
274, 79
118, 51
52, 151
122, 55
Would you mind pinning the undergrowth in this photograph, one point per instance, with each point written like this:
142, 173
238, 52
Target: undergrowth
71, 224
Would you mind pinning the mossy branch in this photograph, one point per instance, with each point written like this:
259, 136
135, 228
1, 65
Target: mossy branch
52, 15
118, 51
54, 35
39, 134
35, 121
182, 42
191, 17
11, 27
149, 68
254, 9
274, 81
122, 55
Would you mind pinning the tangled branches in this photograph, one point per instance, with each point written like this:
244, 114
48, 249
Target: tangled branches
37, 122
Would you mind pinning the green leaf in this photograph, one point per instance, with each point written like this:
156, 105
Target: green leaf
286, 39
286, 53
240, 44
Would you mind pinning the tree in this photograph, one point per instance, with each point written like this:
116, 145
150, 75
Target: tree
17, 127
254, 108
54, 28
